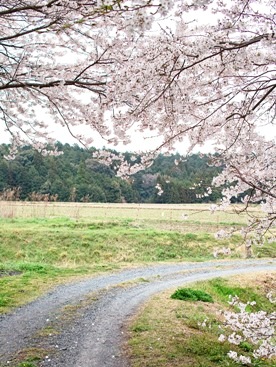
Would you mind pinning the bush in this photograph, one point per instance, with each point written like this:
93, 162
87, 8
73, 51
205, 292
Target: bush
188, 294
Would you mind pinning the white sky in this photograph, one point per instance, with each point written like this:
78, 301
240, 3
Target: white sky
140, 142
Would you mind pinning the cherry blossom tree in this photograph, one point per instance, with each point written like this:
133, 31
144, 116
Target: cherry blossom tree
191, 69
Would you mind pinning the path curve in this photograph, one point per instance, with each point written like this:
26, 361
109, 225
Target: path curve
96, 336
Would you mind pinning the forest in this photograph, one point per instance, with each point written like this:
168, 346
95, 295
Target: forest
74, 175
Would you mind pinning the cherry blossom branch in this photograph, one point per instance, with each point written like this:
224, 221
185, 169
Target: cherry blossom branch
264, 97
27, 7
33, 30
251, 184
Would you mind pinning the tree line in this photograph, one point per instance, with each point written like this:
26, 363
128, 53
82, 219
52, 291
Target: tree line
75, 175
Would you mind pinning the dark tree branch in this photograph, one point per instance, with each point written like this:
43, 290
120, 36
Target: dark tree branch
264, 97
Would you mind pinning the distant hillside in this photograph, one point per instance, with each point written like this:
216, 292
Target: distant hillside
76, 176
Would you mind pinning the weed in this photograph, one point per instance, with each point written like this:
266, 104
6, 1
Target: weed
140, 328
247, 347
29, 357
190, 236
206, 346
188, 294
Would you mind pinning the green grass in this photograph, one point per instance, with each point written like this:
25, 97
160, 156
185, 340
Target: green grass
223, 290
169, 333
70, 242
28, 357
188, 294
30, 280
38, 252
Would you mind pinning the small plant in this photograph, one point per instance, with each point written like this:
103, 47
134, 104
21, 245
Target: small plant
140, 328
26, 364
36, 196
188, 294
11, 194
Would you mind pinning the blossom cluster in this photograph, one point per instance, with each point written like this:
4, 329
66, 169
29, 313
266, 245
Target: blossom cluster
256, 327
159, 189
225, 251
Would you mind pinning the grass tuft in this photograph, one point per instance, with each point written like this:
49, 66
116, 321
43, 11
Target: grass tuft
189, 294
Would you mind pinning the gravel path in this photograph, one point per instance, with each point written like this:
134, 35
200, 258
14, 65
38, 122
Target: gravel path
94, 336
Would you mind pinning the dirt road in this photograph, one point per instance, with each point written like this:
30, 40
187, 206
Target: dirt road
82, 324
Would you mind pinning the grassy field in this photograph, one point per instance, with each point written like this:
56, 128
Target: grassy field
196, 213
42, 244
169, 333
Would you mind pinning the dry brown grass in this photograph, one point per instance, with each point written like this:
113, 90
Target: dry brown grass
165, 213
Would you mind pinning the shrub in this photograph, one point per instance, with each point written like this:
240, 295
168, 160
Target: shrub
188, 294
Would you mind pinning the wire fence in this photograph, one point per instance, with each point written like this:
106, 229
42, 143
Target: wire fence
196, 213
